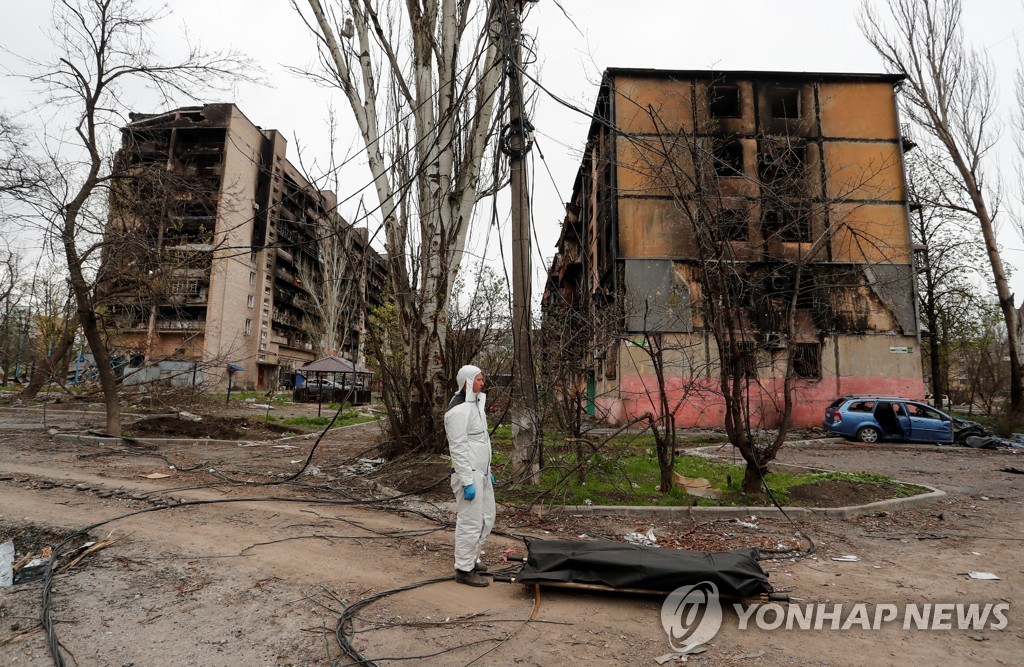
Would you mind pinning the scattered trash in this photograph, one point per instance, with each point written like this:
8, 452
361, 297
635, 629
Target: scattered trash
746, 524
313, 470
155, 475
188, 416
645, 539
588, 502
259, 406
849, 558
6, 564
978, 638
695, 486
749, 656
31, 566
681, 656
362, 467
1015, 471
987, 576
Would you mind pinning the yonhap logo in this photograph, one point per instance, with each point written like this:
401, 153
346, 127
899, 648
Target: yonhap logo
691, 616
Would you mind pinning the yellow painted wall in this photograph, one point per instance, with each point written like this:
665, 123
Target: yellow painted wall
858, 110
870, 233
648, 105
864, 170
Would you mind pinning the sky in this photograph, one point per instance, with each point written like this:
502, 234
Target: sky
573, 47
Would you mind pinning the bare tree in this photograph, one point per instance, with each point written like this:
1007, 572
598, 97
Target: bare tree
103, 45
950, 94
421, 80
947, 264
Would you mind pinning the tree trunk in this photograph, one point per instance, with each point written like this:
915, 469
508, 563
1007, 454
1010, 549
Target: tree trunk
55, 361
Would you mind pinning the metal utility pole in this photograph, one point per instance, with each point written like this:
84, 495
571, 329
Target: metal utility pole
516, 141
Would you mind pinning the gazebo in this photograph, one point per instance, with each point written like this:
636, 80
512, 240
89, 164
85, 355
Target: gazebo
335, 379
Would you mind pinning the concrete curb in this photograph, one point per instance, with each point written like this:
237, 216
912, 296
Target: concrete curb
75, 437
97, 413
704, 513
695, 512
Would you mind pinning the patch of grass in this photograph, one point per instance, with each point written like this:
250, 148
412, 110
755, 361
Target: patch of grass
279, 398
632, 478
312, 423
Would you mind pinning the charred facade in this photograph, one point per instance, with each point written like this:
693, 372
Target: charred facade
770, 204
211, 233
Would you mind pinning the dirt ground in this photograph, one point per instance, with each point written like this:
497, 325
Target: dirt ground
229, 561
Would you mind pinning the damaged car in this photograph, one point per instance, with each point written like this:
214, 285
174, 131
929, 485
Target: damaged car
873, 419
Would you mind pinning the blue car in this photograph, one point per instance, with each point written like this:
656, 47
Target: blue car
876, 418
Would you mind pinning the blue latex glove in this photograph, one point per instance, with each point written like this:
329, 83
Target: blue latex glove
492, 479
469, 492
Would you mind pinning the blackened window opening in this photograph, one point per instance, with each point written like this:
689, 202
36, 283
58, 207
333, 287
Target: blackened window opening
725, 102
807, 360
785, 102
791, 225
727, 157
779, 160
732, 224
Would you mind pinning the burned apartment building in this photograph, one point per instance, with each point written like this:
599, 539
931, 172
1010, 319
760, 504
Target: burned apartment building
214, 249
739, 224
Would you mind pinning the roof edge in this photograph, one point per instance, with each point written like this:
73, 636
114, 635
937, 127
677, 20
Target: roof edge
755, 74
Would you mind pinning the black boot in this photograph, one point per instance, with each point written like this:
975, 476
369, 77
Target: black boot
480, 568
471, 578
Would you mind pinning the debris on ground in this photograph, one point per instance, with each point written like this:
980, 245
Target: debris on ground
992, 442
362, 467
645, 539
696, 486
848, 558
985, 576
6, 564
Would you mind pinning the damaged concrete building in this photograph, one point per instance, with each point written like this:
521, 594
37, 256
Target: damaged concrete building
763, 211
215, 240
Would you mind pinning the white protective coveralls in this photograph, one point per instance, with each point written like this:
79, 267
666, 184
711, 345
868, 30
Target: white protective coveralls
469, 444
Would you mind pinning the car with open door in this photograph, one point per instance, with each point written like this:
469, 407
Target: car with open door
876, 418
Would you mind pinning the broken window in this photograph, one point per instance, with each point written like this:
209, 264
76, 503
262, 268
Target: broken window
784, 102
790, 224
781, 160
807, 360
805, 297
725, 102
732, 224
727, 156
738, 290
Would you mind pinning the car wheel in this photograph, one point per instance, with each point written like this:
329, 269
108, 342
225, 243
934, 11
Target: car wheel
869, 434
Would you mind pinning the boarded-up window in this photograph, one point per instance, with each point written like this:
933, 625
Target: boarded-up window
657, 297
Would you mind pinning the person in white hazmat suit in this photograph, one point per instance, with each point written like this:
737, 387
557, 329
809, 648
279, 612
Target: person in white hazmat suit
465, 424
